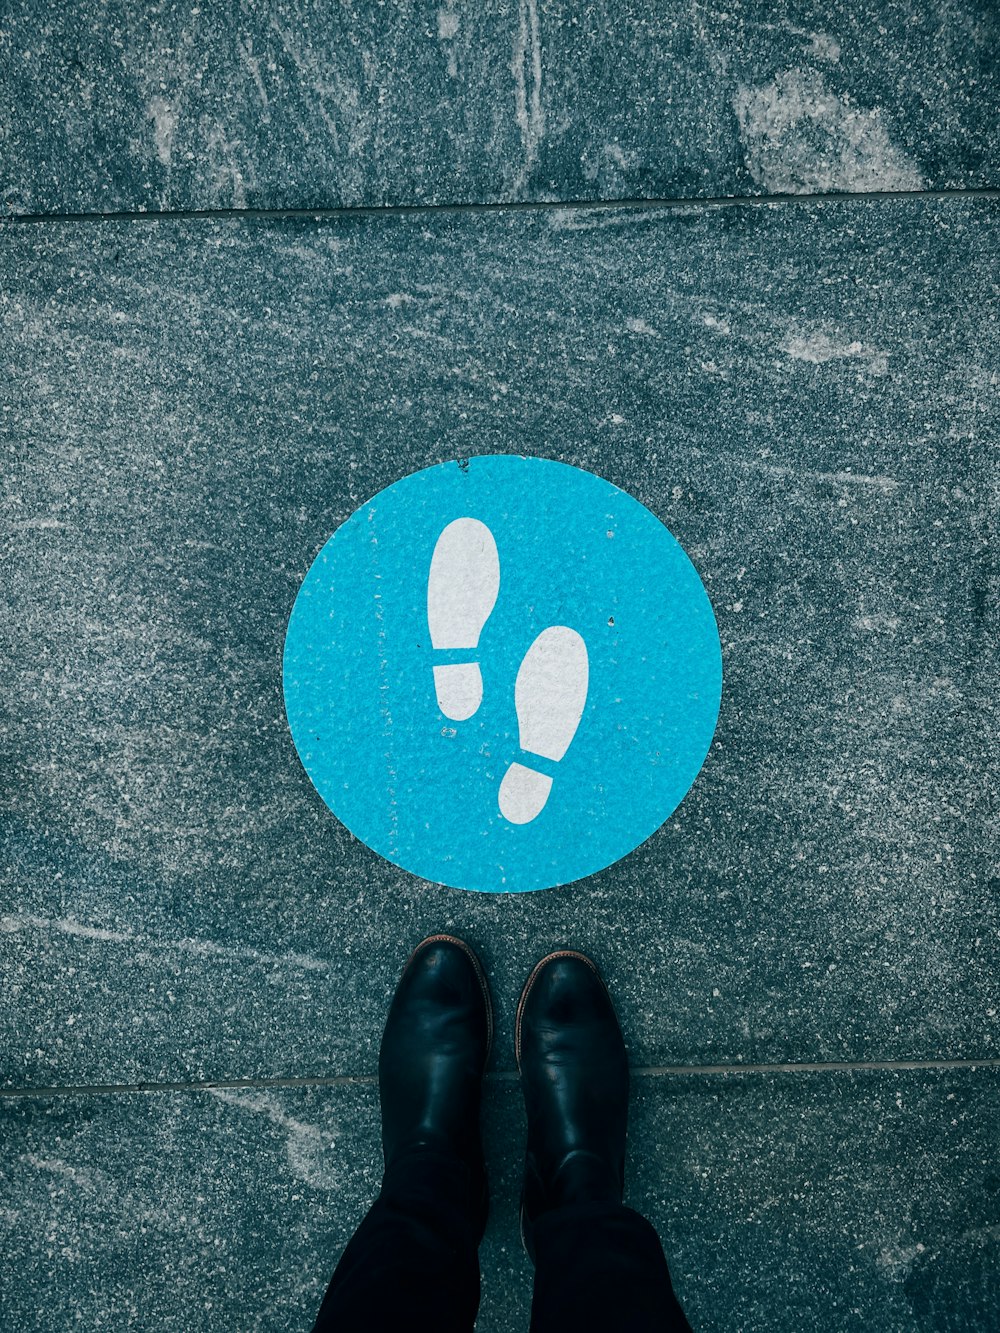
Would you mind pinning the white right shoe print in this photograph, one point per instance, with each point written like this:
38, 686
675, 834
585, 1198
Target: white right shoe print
550, 694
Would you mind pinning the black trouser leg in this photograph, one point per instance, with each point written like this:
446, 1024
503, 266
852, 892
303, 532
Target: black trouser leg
598, 1267
413, 1263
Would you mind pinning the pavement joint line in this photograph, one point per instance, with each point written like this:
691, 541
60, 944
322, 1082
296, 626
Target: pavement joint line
493, 1076
578, 205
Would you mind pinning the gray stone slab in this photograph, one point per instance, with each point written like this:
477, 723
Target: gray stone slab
295, 104
805, 394
797, 1201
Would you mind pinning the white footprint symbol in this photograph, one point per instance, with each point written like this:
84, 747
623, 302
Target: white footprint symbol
549, 695
462, 590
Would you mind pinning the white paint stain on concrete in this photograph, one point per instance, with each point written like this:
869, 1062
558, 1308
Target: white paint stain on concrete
447, 24
447, 30
526, 67
16, 922
228, 182
719, 326
252, 63
90, 1180
878, 481
164, 118
306, 1144
818, 347
882, 622
332, 93
607, 158
42, 524
598, 219
799, 137
824, 47
896, 1261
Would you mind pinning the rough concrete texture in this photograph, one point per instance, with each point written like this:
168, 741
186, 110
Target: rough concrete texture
297, 104
823, 1200
804, 391
805, 396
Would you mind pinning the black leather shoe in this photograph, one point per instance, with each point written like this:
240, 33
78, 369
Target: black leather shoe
574, 1072
434, 1050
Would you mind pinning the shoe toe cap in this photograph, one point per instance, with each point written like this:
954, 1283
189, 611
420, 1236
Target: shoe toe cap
443, 985
567, 1003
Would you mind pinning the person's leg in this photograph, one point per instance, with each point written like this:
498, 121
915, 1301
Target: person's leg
413, 1262
601, 1266
598, 1264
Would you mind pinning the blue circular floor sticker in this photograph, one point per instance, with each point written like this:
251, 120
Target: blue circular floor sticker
502, 674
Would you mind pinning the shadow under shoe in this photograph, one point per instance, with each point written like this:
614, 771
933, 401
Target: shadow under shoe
434, 1050
574, 1074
